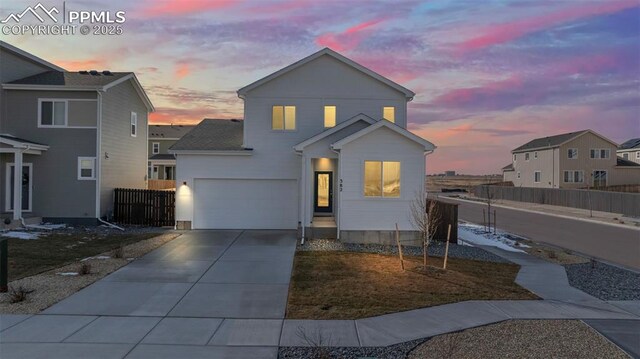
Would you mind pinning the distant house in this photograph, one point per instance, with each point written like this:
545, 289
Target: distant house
630, 150
162, 164
67, 139
570, 160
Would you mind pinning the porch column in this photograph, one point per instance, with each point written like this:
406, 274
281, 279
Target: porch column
17, 185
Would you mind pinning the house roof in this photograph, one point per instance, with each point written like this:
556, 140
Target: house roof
360, 117
73, 79
621, 162
632, 143
550, 141
212, 135
169, 131
508, 167
328, 52
17, 142
29, 56
162, 156
428, 146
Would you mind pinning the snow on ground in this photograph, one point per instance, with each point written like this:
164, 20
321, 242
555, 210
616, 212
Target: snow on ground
473, 234
20, 235
67, 273
95, 257
46, 226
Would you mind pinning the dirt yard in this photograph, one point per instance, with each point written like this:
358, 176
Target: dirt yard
437, 183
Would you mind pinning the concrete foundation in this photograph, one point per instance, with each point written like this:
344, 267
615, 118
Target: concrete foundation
380, 237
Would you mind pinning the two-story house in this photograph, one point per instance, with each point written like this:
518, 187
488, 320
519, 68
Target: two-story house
630, 150
67, 139
162, 164
323, 143
570, 160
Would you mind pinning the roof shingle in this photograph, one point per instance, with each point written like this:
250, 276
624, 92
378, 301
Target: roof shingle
213, 135
80, 79
551, 141
169, 131
632, 143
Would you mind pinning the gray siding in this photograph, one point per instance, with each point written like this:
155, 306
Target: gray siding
56, 190
126, 165
14, 66
164, 145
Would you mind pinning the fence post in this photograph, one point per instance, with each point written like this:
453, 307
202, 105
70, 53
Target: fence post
4, 264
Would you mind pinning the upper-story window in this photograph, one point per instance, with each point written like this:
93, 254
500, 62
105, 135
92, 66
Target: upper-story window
638, 155
134, 124
535, 155
515, 157
283, 118
572, 153
625, 156
86, 168
329, 116
155, 148
52, 113
526, 156
381, 179
389, 113
602, 153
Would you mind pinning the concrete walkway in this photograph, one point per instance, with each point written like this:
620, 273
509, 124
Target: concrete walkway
223, 294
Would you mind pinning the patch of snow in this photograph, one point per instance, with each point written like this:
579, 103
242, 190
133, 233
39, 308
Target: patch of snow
96, 257
46, 226
21, 235
473, 234
68, 273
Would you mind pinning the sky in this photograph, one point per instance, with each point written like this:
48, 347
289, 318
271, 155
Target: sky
489, 75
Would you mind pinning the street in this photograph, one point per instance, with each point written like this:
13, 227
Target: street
610, 243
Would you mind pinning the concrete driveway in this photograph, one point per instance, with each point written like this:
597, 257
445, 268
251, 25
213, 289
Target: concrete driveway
205, 294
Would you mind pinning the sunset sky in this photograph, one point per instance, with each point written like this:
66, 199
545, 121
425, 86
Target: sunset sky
489, 75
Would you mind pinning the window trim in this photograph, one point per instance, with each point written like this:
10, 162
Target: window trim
381, 196
527, 156
535, 155
153, 148
534, 177
8, 188
284, 119
66, 112
572, 158
572, 176
93, 169
637, 155
599, 152
394, 113
593, 177
133, 128
335, 116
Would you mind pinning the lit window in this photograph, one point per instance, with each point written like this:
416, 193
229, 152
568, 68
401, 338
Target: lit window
536, 176
329, 116
86, 168
156, 148
572, 153
381, 179
389, 114
134, 124
53, 113
283, 118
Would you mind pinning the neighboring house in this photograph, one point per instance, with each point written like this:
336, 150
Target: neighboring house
571, 160
162, 164
74, 137
630, 150
323, 144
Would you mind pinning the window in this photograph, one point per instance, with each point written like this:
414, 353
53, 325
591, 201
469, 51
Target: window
535, 155
52, 113
572, 153
155, 148
283, 118
329, 116
381, 179
599, 178
86, 168
134, 124
638, 155
625, 156
518, 175
573, 176
389, 113
515, 157
600, 153
526, 156
536, 176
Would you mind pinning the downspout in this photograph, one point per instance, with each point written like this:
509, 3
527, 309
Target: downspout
98, 168
339, 206
110, 224
303, 195
27, 148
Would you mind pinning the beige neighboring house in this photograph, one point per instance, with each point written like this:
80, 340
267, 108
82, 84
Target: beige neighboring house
570, 160
630, 150
162, 164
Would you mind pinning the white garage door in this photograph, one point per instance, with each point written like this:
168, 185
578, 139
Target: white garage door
250, 204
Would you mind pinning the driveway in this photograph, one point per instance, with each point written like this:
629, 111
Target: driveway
212, 293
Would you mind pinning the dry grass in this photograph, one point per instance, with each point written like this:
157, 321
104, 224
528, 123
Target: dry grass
346, 285
437, 183
553, 254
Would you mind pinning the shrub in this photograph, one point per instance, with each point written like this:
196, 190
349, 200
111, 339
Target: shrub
118, 252
85, 268
18, 294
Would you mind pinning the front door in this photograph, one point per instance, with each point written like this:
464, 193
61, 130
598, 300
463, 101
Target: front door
323, 193
599, 178
27, 172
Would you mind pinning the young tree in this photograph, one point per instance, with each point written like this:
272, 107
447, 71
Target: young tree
425, 218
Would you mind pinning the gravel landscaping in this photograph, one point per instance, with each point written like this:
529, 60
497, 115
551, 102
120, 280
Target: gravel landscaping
604, 281
510, 339
436, 249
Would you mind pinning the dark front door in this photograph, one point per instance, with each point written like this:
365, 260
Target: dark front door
323, 192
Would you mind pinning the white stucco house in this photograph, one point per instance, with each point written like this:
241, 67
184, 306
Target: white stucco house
323, 147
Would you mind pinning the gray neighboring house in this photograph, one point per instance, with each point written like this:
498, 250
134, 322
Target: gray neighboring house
74, 135
162, 164
630, 150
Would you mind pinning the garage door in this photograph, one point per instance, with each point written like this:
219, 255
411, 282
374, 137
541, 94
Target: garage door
251, 204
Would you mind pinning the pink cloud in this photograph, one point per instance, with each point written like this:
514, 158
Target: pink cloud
348, 39
182, 70
182, 7
505, 32
489, 92
79, 65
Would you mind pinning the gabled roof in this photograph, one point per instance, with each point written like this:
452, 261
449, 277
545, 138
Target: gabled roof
29, 56
428, 146
625, 163
508, 167
74, 79
631, 144
326, 51
556, 141
21, 142
212, 135
169, 131
359, 117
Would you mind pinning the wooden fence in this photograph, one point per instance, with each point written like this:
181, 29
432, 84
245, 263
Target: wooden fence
615, 202
161, 184
449, 216
144, 207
